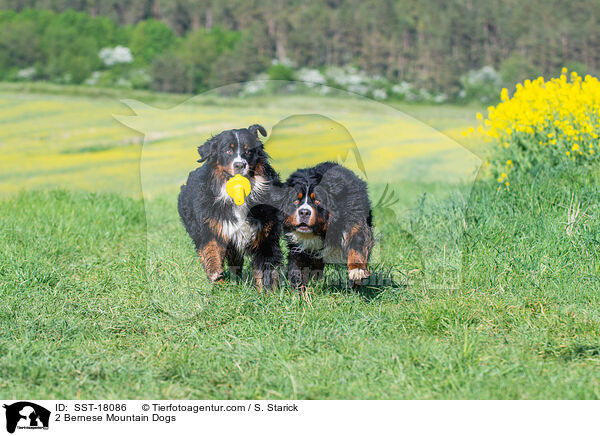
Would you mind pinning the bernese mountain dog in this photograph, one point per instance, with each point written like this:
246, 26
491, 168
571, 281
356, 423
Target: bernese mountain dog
326, 220
220, 229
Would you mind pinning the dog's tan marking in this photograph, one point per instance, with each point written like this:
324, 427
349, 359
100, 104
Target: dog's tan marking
321, 223
356, 259
217, 228
212, 255
357, 267
259, 169
291, 220
353, 231
261, 235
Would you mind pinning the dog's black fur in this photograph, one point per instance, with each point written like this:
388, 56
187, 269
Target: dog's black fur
326, 219
220, 229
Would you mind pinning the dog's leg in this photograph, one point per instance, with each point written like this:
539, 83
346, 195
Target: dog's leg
357, 267
212, 255
266, 263
317, 267
266, 254
299, 269
235, 260
358, 252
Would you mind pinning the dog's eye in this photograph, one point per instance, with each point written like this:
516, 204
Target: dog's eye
296, 202
229, 152
317, 202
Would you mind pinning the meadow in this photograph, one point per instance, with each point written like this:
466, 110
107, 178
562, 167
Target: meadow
102, 296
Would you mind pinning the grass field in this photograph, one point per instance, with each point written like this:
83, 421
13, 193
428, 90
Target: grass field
80, 317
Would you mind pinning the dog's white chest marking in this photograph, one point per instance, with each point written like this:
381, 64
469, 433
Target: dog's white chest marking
238, 230
306, 242
314, 245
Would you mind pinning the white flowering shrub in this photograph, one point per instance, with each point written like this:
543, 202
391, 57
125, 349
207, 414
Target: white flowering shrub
94, 78
347, 76
115, 55
424, 95
123, 83
358, 88
440, 98
380, 94
403, 90
324, 90
257, 86
483, 85
311, 77
26, 73
140, 78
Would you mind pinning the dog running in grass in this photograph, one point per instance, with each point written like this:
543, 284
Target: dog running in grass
326, 220
222, 230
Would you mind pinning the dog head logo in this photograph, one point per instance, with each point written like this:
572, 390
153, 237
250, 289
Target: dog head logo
26, 415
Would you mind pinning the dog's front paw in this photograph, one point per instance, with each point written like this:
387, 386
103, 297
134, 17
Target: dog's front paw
216, 276
357, 275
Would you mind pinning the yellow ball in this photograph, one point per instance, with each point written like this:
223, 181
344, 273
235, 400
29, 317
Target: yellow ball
238, 188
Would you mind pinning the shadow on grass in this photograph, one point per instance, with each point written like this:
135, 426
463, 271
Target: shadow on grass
580, 351
336, 281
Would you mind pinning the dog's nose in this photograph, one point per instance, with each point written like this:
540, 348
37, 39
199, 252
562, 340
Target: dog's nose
239, 166
304, 214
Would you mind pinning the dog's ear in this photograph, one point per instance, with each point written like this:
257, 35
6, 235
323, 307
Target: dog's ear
279, 194
257, 128
207, 149
333, 182
332, 185
325, 197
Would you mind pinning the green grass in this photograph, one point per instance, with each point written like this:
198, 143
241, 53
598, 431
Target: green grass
78, 319
102, 295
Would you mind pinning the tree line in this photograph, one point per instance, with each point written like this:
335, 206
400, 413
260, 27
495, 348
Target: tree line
189, 46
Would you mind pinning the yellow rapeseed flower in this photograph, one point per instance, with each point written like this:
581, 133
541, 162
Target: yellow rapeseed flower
560, 115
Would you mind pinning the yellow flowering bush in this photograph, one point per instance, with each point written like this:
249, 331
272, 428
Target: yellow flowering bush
544, 122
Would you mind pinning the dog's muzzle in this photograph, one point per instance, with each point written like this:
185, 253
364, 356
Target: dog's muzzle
239, 166
304, 217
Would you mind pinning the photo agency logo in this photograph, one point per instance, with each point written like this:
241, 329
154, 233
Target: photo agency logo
364, 194
24, 415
